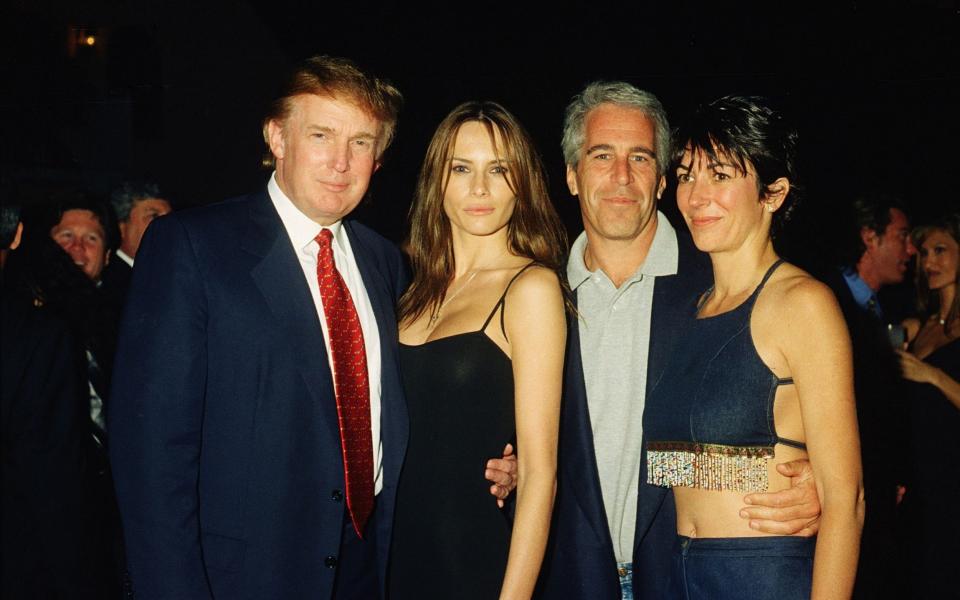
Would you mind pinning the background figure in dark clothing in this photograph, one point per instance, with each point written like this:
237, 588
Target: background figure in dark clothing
931, 364
58, 269
880, 251
135, 206
43, 402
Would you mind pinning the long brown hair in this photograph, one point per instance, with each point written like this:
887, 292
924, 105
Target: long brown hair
534, 230
928, 301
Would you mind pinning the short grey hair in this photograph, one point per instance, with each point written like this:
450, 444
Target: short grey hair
129, 193
619, 93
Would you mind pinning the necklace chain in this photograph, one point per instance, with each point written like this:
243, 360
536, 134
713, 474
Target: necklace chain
436, 314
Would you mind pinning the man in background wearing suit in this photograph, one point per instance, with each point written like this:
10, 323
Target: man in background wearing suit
878, 253
258, 424
631, 273
135, 206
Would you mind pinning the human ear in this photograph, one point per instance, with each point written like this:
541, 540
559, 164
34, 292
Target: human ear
776, 194
275, 138
572, 181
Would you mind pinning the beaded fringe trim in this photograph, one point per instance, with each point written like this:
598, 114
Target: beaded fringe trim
708, 466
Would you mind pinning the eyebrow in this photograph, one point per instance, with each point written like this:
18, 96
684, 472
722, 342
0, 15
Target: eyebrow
641, 149
467, 160
328, 129
713, 164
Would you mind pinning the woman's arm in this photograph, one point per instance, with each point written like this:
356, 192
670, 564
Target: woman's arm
821, 367
536, 329
921, 371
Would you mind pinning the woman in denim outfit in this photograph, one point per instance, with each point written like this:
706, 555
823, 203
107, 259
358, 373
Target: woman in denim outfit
762, 375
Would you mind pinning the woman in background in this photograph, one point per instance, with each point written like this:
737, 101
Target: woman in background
762, 371
482, 336
932, 363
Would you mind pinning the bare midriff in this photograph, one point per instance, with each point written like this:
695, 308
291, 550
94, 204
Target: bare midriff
711, 514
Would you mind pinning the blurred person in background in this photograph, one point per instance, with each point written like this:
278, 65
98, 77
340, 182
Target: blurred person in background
59, 268
135, 206
44, 416
931, 364
877, 253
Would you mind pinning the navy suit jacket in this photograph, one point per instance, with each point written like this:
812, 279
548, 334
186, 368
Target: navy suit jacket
580, 562
224, 434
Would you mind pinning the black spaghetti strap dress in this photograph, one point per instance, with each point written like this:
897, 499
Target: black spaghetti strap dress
450, 540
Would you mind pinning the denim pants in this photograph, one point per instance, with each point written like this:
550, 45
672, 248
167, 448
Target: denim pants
625, 573
747, 568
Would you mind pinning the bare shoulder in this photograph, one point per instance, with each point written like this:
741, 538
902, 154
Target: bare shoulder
537, 283
794, 301
796, 292
534, 301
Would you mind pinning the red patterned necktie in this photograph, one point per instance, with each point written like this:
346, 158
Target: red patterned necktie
352, 388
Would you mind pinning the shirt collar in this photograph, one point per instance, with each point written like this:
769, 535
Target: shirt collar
861, 292
123, 256
301, 229
662, 258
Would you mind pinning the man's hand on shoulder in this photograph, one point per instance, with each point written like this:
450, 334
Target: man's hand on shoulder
793, 511
503, 473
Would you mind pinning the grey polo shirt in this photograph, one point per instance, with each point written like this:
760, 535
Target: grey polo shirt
614, 342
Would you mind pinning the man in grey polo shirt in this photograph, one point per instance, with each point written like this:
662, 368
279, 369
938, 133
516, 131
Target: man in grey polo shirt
630, 272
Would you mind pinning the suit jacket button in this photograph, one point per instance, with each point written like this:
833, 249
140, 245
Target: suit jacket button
330, 562
336, 496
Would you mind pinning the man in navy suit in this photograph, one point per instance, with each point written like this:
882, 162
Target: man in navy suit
630, 272
226, 423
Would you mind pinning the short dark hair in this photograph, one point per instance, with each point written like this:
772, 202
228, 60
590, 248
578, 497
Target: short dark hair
746, 129
339, 78
871, 210
129, 193
9, 219
86, 201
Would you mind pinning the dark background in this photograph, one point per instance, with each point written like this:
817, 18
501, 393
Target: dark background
174, 91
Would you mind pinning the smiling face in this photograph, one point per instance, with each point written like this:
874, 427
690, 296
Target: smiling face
939, 259
721, 204
81, 235
616, 177
326, 152
478, 199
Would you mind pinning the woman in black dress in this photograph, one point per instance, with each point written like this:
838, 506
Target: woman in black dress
932, 364
482, 336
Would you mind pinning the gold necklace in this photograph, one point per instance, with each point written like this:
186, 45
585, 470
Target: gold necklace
436, 315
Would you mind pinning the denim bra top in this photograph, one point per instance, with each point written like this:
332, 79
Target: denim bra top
708, 421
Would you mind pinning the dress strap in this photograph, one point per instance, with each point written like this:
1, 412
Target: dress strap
500, 303
753, 296
791, 443
768, 274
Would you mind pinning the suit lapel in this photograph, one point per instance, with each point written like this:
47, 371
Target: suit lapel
672, 295
278, 276
580, 462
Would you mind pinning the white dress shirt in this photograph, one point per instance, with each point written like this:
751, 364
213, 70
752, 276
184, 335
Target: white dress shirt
124, 257
302, 232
